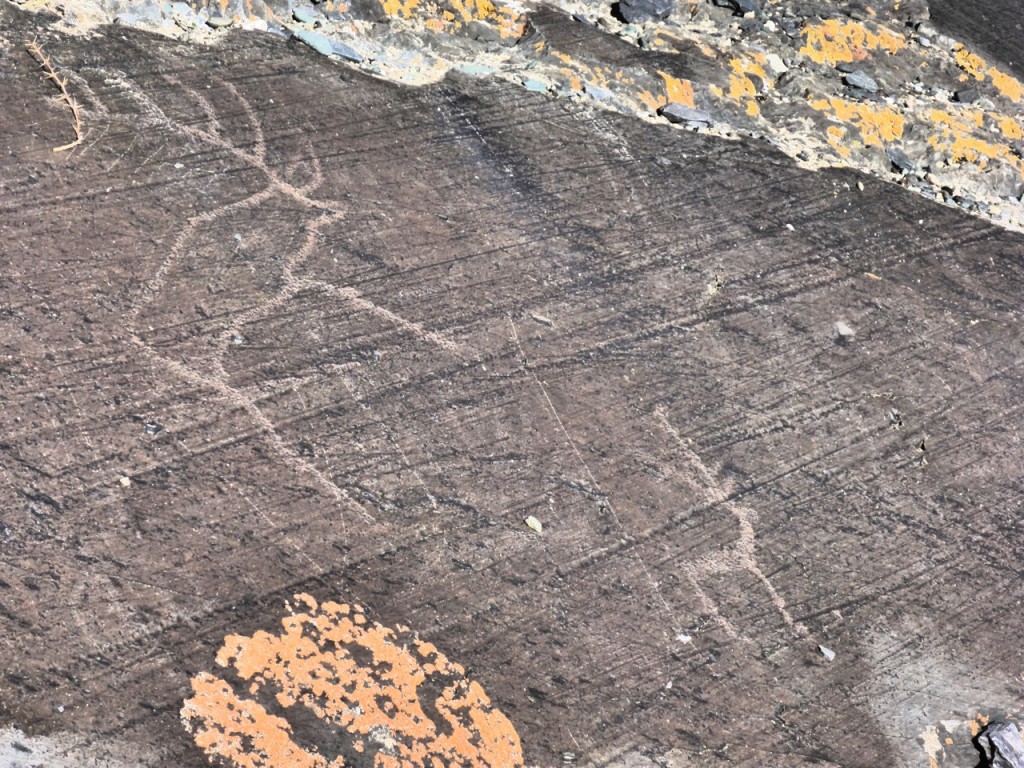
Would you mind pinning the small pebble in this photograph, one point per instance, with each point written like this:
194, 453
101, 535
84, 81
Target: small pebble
843, 331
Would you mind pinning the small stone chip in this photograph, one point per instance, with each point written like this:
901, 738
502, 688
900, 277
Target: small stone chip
124, 481
828, 653
675, 112
534, 523
901, 160
861, 79
843, 331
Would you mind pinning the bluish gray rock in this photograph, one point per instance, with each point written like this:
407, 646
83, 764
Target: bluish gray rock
861, 79
1002, 745
305, 15
645, 10
345, 52
318, 42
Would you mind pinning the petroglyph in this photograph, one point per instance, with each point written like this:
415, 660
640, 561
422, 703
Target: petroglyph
202, 361
667, 609
740, 556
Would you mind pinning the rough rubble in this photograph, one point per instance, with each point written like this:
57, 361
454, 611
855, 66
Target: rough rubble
873, 86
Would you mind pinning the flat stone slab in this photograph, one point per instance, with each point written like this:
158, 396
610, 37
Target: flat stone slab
596, 430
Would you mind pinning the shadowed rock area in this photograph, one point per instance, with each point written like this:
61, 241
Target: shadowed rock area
279, 327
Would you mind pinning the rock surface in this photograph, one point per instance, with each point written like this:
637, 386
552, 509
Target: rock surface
284, 325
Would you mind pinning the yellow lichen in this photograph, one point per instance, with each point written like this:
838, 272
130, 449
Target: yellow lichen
452, 16
834, 41
969, 62
741, 87
1006, 84
956, 137
1009, 127
837, 138
975, 66
878, 126
676, 90
401, 8
372, 682
651, 101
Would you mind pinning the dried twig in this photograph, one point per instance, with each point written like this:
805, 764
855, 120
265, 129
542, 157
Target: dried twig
39, 55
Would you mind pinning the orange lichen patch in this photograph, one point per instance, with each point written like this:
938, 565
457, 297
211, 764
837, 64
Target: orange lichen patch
1006, 84
956, 136
679, 91
974, 66
878, 126
969, 62
575, 82
510, 23
582, 75
741, 87
401, 8
649, 100
834, 41
1009, 127
453, 15
254, 737
395, 696
837, 138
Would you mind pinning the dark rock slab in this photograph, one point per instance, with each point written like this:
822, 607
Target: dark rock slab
379, 327
680, 113
1002, 746
645, 10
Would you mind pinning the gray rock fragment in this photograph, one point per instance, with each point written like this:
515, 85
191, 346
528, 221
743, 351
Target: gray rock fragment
305, 15
345, 52
738, 7
645, 10
843, 333
219, 22
680, 113
1002, 745
967, 95
320, 43
901, 160
860, 79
